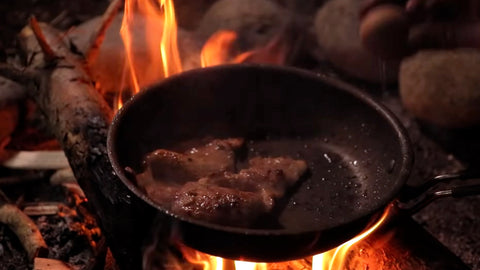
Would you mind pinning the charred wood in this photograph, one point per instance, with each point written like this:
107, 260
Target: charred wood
79, 118
25, 229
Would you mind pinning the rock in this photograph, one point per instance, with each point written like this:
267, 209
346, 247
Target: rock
255, 21
442, 86
336, 27
304, 7
189, 13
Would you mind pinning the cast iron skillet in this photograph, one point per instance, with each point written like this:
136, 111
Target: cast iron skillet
358, 153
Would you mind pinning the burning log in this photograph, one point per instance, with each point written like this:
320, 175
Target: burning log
25, 229
79, 118
37, 160
42, 209
49, 264
109, 63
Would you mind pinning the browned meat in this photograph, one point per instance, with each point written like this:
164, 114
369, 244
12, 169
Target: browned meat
292, 169
270, 175
202, 182
239, 198
219, 205
175, 169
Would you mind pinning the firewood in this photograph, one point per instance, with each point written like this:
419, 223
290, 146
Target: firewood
108, 67
79, 118
37, 160
61, 176
47, 50
41, 209
15, 74
74, 189
25, 229
49, 264
97, 37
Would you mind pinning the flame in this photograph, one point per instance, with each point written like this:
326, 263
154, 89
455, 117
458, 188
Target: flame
334, 259
154, 25
331, 260
149, 34
218, 49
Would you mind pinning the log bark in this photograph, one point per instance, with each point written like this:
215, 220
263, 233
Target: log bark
25, 229
49, 264
79, 117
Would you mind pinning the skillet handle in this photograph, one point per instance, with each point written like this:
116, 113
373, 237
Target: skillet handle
470, 190
412, 193
430, 192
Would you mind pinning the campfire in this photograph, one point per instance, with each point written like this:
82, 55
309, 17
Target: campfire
80, 77
333, 259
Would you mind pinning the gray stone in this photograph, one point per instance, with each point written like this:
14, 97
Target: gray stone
255, 21
336, 27
442, 86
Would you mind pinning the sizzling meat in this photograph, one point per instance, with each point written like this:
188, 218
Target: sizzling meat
176, 169
239, 198
202, 183
216, 204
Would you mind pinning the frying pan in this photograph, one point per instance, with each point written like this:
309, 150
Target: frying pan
358, 153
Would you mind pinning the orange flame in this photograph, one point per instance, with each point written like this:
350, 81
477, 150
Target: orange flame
149, 34
331, 260
218, 49
154, 25
334, 259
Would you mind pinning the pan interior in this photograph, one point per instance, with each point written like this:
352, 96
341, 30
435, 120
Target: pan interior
335, 187
356, 155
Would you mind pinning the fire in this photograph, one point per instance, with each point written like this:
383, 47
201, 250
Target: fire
331, 260
218, 50
157, 23
335, 258
149, 33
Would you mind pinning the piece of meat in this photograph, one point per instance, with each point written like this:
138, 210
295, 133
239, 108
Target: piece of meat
178, 168
220, 205
239, 198
203, 183
273, 175
291, 170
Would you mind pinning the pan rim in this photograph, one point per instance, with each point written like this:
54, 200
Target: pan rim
394, 122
